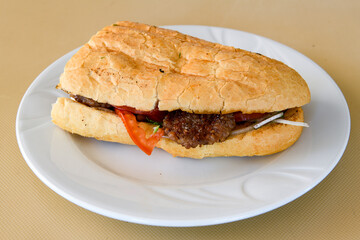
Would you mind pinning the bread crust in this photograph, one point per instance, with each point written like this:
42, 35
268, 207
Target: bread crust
139, 65
107, 126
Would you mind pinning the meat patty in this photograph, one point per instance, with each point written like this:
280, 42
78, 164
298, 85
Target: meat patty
192, 130
90, 102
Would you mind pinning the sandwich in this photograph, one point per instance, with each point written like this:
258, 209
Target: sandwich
143, 85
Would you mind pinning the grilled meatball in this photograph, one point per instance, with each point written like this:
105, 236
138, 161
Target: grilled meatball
192, 130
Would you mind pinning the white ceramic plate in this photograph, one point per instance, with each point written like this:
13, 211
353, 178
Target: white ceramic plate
121, 182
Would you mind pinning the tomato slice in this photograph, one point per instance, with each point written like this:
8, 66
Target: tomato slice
138, 134
155, 114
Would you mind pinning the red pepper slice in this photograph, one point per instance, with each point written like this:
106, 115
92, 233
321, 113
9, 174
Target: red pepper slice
138, 134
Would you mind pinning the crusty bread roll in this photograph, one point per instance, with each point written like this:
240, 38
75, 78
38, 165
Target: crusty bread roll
146, 67
139, 66
103, 125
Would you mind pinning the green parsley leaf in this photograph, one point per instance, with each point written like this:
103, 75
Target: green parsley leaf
115, 25
153, 122
156, 128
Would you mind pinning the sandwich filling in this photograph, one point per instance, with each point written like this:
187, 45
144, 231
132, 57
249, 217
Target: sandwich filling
187, 129
192, 130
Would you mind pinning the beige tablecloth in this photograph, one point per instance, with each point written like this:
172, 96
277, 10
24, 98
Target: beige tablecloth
35, 33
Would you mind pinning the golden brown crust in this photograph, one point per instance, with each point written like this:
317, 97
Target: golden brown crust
139, 65
89, 122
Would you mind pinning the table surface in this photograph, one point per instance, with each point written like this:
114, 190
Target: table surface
35, 33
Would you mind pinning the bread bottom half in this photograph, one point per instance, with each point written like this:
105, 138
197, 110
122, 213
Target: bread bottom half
80, 119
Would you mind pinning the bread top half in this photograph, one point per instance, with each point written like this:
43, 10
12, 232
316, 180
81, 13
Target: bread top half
144, 66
